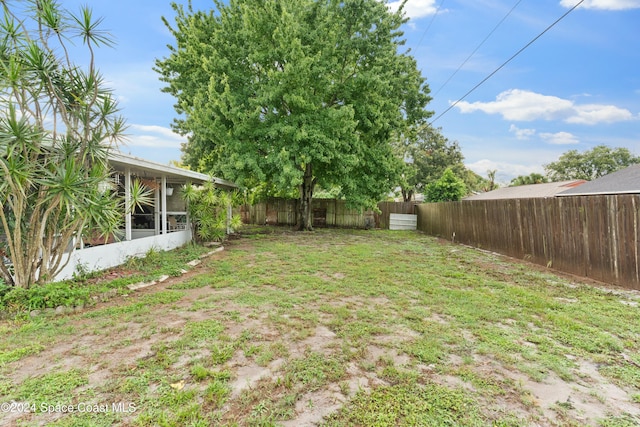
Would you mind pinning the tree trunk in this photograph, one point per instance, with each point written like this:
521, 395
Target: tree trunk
407, 195
305, 217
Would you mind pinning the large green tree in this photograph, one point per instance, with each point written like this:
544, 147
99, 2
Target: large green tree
427, 153
56, 123
296, 93
591, 164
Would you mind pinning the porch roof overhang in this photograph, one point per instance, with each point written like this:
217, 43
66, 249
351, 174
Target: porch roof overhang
148, 169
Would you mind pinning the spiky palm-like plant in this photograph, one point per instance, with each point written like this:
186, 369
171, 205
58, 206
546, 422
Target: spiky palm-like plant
57, 123
208, 208
139, 196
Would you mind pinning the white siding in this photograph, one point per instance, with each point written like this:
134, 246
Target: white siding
101, 257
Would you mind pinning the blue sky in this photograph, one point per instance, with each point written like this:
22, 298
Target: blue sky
576, 87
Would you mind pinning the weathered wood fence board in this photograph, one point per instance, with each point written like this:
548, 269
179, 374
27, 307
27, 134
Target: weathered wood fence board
326, 212
592, 236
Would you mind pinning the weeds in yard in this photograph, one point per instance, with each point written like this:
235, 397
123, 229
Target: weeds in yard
53, 388
410, 404
405, 329
78, 292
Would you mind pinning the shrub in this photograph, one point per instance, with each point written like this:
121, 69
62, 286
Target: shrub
449, 188
208, 207
45, 296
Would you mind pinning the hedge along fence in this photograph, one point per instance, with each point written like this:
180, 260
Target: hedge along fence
326, 213
592, 236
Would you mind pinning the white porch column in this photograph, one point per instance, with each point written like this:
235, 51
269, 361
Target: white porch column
163, 214
186, 207
156, 210
127, 203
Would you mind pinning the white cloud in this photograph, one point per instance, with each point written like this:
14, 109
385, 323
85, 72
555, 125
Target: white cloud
595, 113
559, 138
604, 4
505, 172
153, 136
415, 8
522, 133
523, 105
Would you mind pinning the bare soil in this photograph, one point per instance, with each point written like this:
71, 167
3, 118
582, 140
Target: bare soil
108, 350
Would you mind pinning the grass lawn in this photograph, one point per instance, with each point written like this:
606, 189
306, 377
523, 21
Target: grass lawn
334, 328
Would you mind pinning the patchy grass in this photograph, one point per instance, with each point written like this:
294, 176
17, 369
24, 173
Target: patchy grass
86, 287
335, 328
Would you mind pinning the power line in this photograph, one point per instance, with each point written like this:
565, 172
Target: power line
429, 25
507, 61
478, 47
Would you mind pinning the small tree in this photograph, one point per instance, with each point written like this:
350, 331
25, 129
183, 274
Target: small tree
209, 209
490, 183
449, 188
426, 156
57, 122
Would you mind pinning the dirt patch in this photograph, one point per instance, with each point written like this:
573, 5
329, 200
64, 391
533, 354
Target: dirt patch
312, 407
322, 341
106, 348
248, 373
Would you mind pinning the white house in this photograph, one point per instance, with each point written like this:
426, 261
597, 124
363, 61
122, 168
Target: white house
164, 226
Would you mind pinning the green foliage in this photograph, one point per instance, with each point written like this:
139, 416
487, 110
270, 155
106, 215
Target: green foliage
50, 295
533, 178
426, 156
314, 371
439, 337
203, 330
17, 354
591, 164
57, 123
209, 211
410, 404
217, 393
446, 189
474, 182
139, 196
491, 180
52, 388
295, 93
4, 288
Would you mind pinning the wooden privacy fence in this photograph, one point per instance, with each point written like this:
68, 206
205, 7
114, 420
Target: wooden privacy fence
326, 213
591, 236
388, 208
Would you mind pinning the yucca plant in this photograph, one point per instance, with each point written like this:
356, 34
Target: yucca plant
57, 123
208, 209
139, 196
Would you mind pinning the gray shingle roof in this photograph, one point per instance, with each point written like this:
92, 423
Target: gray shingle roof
528, 191
624, 181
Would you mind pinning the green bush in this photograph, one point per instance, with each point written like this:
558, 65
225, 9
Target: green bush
449, 188
50, 295
4, 288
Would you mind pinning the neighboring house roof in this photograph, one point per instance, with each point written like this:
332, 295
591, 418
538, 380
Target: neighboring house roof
624, 181
147, 168
549, 189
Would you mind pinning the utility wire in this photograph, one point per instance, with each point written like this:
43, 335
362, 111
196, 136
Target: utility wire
506, 62
429, 25
478, 47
